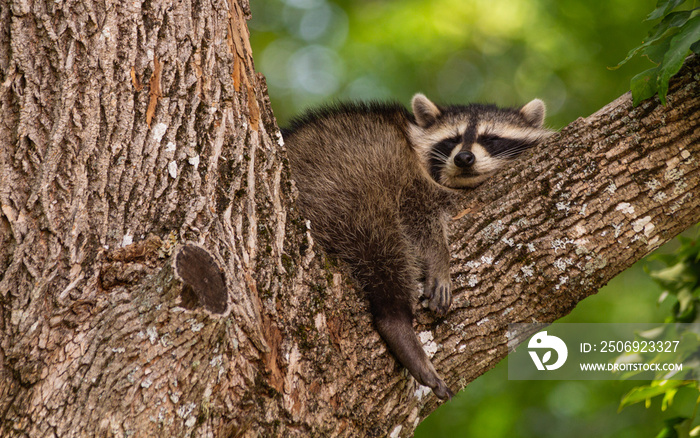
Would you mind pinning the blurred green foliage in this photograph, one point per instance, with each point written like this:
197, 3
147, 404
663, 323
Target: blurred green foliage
680, 280
505, 52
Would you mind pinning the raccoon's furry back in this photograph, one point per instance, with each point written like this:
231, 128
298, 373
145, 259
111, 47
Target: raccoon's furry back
360, 178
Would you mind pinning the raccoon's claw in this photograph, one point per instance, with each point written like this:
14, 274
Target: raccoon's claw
440, 295
442, 391
427, 376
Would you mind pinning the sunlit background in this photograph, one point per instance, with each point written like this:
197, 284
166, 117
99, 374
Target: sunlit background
500, 51
505, 51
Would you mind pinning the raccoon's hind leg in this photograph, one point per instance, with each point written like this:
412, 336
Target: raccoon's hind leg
396, 328
389, 278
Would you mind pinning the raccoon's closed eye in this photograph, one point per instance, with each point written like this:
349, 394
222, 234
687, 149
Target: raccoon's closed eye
502, 146
453, 140
442, 150
489, 139
493, 143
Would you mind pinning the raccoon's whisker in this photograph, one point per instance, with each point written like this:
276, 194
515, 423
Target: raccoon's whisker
439, 155
512, 152
507, 156
439, 152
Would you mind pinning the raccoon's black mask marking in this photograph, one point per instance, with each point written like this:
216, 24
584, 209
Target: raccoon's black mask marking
441, 153
501, 147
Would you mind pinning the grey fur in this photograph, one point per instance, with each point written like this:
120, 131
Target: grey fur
377, 183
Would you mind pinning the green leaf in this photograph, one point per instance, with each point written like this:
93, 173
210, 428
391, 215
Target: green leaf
680, 47
654, 333
656, 52
674, 277
670, 429
696, 47
667, 432
686, 299
643, 85
663, 7
670, 22
686, 306
644, 393
687, 352
668, 398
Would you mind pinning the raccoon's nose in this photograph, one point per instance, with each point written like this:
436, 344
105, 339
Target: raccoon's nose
464, 159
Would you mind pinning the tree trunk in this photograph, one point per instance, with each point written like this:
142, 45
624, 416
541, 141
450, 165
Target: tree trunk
156, 280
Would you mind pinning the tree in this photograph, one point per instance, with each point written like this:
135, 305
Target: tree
156, 279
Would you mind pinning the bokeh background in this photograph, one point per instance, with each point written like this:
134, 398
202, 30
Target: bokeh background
499, 51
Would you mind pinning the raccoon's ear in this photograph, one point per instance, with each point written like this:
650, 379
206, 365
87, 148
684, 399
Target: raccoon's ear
534, 112
425, 111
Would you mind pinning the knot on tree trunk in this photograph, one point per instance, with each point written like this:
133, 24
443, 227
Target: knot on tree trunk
203, 282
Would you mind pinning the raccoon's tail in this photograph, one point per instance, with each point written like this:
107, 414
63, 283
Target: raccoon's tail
389, 286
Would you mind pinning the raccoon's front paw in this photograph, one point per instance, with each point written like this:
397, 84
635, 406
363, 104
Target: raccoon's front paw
439, 292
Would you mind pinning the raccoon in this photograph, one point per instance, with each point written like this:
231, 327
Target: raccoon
377, 183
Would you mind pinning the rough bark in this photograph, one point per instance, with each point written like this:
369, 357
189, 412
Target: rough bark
139, 155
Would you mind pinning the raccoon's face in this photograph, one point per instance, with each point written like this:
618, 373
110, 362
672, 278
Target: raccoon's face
461, 146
